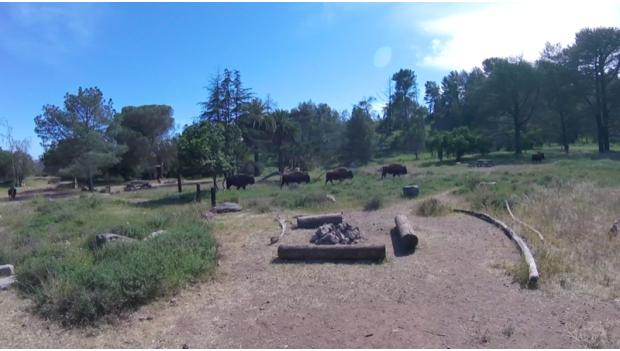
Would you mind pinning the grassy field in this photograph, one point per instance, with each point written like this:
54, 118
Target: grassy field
573, 199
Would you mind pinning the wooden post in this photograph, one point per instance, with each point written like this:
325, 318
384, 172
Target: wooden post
318, 220
198, 195
179, 185
406, 235
213, 196
331, 252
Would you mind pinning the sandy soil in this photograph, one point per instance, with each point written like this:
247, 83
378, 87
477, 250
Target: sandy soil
450, 293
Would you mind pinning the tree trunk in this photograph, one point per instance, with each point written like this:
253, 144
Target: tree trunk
564, 136
91, 184
179, 184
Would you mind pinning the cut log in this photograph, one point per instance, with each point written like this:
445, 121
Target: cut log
331, 252
525, 251
406, 235
318, 220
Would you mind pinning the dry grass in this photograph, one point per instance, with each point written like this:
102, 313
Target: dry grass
578, 252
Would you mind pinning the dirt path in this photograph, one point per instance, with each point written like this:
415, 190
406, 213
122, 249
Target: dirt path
449, 293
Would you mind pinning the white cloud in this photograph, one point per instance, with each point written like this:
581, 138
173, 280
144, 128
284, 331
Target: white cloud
464, 40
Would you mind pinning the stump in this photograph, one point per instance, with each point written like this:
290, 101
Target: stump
405, 232
308, 222
411, 191
331, 252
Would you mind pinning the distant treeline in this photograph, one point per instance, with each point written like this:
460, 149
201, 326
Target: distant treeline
569, 94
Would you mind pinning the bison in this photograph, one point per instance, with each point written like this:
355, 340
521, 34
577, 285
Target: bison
538, 157
294, 177
339, 174
240, 181
12, 193
394, 170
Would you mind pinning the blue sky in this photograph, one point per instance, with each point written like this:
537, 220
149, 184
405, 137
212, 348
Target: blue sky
333, 53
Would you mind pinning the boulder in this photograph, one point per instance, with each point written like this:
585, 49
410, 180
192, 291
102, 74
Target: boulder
615, 229
330, 197
6, 282
102, 239
226, 207
156, 234
7, 270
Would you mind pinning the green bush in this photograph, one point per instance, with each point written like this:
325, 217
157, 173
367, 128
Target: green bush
373, 204
432, 207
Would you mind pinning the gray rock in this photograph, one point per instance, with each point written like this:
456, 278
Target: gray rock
330, 197
7, 270
6, 282
102, 239
615, 229
226, 207
157, 233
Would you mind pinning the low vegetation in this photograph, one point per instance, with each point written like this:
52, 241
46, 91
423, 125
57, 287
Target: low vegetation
432, 207
75, 283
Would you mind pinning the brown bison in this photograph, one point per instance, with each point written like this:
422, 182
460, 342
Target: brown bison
339, 174
295, 177
394, 170
240, 181
538, 157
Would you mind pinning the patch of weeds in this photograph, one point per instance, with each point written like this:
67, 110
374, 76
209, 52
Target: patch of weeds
432, 208
373, 204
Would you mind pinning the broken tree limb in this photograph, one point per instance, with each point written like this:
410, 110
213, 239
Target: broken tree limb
523, 223
525, 251
275, 239
406, 235
318, 220
331, 252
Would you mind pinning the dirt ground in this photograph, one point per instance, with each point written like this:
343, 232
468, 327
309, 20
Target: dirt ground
452, 292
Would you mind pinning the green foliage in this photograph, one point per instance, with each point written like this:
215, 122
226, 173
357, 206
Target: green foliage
432, 208
359, 136
457, 142
203, 148
373, 204
74, 283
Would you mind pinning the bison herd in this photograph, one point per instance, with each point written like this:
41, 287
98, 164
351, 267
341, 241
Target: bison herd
240, 181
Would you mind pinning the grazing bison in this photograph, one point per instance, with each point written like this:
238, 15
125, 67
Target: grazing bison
338, 174
294, 177
240, 181
394, 170
538, 157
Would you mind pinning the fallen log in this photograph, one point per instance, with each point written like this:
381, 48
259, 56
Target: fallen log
331, 252
275, 239
318, 220
405, 232
525, 251
523, 223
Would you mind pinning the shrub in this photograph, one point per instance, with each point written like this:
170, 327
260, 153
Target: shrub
432, 207
373, 204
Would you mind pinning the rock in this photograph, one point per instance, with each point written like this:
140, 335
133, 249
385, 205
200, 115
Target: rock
156, 234
104, 238
330, 197
226, 207
7, 270
341, 233
208, 215
6, 282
